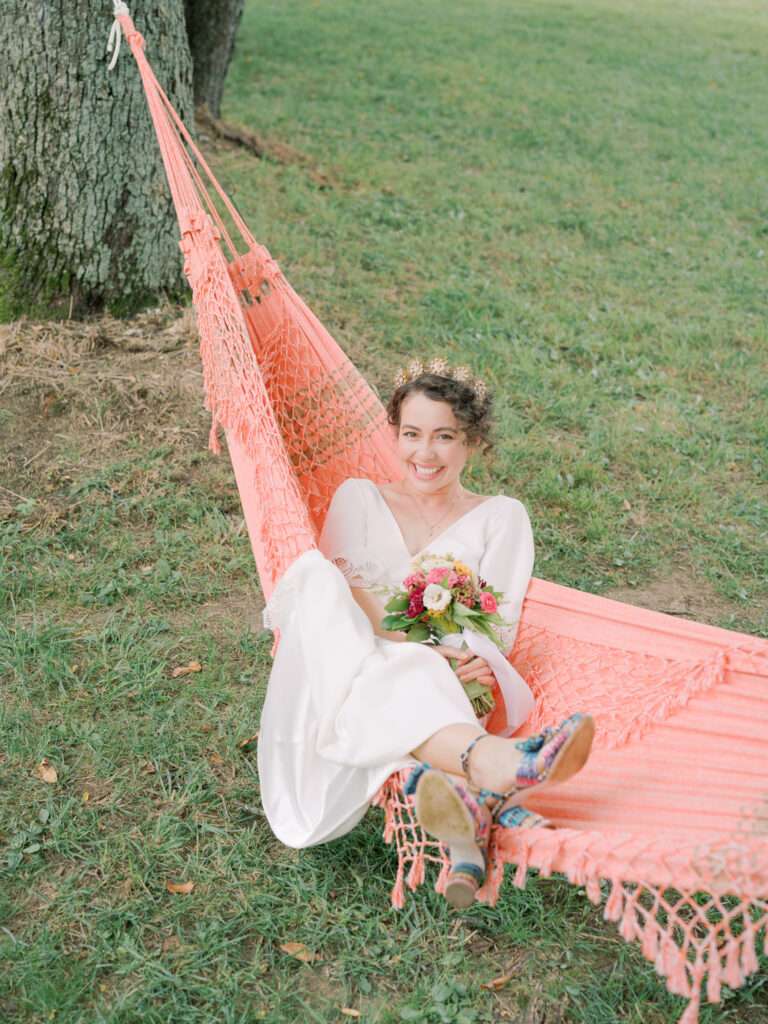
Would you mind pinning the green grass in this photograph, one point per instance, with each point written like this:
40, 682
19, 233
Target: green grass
572, 198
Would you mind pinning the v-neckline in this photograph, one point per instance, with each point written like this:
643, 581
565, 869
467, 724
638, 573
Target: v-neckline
442, 533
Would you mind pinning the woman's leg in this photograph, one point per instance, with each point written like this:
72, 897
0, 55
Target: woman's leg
493, 763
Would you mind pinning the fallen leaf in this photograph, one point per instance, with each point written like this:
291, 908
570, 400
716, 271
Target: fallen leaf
46, 772
247, 741
170, 943
626, 505
185, 670
497, 983
215, 760
86, 796
148, 769
349, 1012
299, 951
183, 888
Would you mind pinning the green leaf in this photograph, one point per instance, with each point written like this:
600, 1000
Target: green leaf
460, 610
418, 633
475, 689
398, 603
395, 622
446, 626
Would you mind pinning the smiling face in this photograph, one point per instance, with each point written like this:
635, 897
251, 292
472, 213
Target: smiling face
431, 444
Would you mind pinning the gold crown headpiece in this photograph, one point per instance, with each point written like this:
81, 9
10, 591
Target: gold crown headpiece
442, 368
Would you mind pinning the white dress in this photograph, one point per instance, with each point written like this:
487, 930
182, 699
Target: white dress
344, 707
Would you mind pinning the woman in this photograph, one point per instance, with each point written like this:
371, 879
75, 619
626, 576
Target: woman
349, 703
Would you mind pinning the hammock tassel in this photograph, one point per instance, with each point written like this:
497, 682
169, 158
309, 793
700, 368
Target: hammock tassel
713, 972
594, 892
614, 905
733, 973
521, 872
489, 893
398, 890
213, 437
749, 962
442, 878
495, 878
675, 969
650, 940
691, 1013
628, 927
416, 874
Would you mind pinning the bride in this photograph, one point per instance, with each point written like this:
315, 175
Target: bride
349, 703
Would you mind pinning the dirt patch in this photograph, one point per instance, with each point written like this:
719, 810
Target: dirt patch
239, 611
217, 134
679, 595
82, 390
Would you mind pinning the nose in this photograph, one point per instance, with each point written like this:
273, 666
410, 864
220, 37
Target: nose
426, 453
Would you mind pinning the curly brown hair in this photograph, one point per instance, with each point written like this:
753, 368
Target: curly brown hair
474, 413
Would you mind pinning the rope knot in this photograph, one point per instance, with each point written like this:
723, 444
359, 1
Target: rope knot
134, 38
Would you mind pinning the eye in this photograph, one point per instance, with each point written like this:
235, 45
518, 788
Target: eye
409, 433
446, 437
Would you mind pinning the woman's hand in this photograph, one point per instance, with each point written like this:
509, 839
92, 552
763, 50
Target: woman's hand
469, 666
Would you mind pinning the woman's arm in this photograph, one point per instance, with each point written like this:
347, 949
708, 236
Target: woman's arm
507, 563
374, 609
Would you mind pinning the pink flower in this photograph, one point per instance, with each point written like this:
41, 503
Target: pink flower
453, 579
488, 602
416, 604
468, 601
416, 579
437, 575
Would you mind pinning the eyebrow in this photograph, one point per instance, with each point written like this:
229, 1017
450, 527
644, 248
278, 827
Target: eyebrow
410, 426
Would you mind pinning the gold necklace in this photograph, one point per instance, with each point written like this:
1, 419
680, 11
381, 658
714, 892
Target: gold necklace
433, 526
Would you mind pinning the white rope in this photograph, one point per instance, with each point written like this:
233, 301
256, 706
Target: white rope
116, 33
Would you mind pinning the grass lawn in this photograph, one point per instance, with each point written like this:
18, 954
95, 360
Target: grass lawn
572, 198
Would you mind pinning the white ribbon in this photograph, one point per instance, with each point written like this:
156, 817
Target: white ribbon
116, 33
518, 699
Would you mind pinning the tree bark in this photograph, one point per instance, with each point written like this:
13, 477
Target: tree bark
211, 28
86, 218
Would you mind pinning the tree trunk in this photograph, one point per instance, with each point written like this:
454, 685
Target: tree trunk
211, 28
86, 218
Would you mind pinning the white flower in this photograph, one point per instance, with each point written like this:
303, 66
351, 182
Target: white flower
436, 598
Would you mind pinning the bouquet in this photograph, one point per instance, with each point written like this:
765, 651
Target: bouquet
441, 596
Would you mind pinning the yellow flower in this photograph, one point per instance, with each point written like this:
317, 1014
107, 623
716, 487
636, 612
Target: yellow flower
462, 568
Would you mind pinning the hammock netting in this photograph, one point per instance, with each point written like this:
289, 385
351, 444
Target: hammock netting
667, 825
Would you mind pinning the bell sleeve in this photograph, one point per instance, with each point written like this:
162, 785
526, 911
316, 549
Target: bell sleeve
344, 537
507, 562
